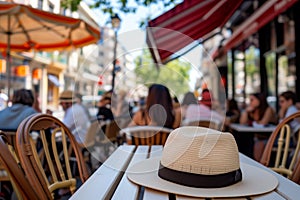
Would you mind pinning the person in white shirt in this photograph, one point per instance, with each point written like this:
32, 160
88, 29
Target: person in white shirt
203, 110
75, 117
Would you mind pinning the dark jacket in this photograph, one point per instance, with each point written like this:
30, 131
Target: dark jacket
11, 117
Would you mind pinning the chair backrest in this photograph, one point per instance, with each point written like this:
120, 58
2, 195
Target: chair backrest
296, 173
146, 135
52, 170
112, 130
8, 162
282, 136
91, 134
208, 123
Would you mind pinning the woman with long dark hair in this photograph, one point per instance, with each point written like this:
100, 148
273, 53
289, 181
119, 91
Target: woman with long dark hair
159, 109
258, 112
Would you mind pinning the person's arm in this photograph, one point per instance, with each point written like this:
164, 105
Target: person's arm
267, 118
235, 117
245, 115
281, 113
244, 118
136, 118
177, 120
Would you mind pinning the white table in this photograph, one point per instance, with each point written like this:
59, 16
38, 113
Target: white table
244, 136
251, 129
110, 182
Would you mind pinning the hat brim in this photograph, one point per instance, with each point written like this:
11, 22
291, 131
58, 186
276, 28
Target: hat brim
255, 181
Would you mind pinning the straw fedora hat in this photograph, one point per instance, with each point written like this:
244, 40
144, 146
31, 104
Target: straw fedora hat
201, 162
67, 96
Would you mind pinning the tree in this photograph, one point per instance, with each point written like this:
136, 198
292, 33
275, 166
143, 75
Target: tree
109, 6
174, 75
251, 62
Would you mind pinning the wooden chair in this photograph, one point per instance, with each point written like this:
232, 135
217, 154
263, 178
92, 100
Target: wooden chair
146, 135
282, 134
296, 173
111, 136
91, 135
51, 171
112, 131
21, 186
90, 140
208, 123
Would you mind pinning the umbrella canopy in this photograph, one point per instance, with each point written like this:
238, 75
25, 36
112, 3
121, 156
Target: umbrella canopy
24, 28
29, 28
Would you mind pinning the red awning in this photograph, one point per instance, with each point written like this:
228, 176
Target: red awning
185, 23
267, 12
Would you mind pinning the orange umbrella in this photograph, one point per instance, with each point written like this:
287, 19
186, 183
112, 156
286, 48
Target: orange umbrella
23, 28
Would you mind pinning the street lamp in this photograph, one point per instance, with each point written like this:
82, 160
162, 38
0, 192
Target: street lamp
115, 22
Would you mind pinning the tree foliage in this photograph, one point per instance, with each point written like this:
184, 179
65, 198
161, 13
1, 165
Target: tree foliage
109, 6
251, 64
174, 75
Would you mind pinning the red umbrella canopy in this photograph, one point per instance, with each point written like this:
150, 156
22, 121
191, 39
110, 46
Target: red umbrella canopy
23, 28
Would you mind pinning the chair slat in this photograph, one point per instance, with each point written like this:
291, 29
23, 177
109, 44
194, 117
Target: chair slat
22, 187
204, 122
53, 172
282, 134
146, 135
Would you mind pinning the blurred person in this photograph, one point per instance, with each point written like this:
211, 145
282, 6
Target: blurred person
113, 100
22, 102
233, 112
78, 97
104, 111
75, 118
122, 104
287, 101
203, 110
36, 103
134, 107
139, 105
158, 109
123, 109
176, 103
258, 114
188, 99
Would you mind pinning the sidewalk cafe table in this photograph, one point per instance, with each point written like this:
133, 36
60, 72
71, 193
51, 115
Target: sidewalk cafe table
109, 181
244, 136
